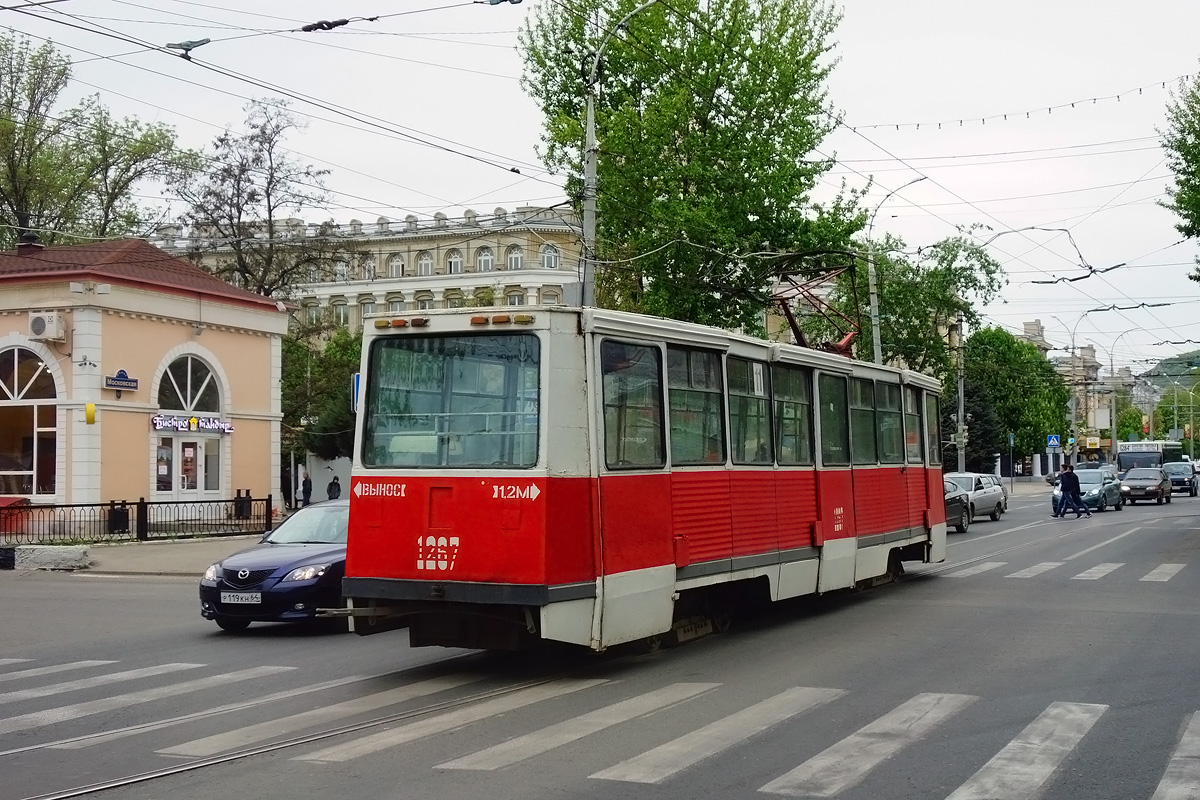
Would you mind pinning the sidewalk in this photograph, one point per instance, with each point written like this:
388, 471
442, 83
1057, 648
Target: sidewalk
188, 557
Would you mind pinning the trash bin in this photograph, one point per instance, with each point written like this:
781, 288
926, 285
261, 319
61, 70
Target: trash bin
118, 518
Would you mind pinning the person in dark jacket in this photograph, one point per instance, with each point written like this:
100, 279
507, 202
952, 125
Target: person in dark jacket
1068, 484
334, 490
306, 489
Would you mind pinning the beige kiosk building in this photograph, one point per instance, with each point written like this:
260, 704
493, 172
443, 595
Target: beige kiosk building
126, 372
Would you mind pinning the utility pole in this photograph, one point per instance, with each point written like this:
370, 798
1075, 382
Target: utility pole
590, 77
962, 417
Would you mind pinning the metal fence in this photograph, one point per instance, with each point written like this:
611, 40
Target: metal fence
144, 520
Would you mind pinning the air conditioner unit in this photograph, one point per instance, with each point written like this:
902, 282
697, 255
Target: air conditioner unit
47, 326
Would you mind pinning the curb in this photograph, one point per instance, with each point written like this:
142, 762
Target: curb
33, 557
108, 573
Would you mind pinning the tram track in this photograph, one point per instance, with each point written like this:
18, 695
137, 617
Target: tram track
298, 741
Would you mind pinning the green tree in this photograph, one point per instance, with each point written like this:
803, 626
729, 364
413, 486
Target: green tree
331, 434
708, 117
985, 434
1176, 411
1027, 394
1181, 143
245, 207
920, 297
67, 171
1129, 424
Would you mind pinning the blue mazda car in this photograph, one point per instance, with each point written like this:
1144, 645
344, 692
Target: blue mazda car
296, 569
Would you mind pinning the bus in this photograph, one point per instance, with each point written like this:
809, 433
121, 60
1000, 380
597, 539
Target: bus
598, 477
1147, 454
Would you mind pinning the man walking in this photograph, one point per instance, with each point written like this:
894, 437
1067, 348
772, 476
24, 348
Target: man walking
1068, 484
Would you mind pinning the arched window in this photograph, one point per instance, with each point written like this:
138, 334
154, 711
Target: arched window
341, 271
455, 300
366, 268
28, 424
189, 385
395, 304
424, 263
515, 257
425, 302
396, 266
454, 262
516, 298
483, 259
549, 256
549, 298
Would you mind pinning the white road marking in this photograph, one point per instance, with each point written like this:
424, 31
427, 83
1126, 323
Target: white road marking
655, 766
39, 671
1026, 526
1085, 551
79, 742
978, 568
449, 721
1096, 573
1036, 569
1163, 572
846, 763
251, 734
67, 713
4, 662
98, 680
1018, 771
1182, 777
533, 744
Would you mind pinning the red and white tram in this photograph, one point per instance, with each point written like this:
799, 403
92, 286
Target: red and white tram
598, 477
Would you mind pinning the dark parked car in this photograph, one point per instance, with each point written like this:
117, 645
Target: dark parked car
1183, 477
958, 507
296, 569
1146, 483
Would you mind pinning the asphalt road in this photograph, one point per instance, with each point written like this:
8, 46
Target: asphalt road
1046, 658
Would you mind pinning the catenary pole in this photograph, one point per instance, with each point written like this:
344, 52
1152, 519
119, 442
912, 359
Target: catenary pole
872, 281
589, 162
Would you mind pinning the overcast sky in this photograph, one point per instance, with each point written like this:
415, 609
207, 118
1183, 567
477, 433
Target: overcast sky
446, 73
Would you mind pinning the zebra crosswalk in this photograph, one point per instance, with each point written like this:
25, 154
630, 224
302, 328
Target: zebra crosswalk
1159, 574
539, 727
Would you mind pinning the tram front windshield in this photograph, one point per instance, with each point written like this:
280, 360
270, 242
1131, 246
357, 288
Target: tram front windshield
452, 401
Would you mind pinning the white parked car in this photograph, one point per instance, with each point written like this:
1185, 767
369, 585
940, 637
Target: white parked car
987, 492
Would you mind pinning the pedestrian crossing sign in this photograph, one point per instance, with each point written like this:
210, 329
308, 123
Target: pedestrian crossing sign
1052, 440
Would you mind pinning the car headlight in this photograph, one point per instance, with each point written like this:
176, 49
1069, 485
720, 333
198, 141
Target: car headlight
212, 573
1093, 493
1124, 488
306, 573
1058, 493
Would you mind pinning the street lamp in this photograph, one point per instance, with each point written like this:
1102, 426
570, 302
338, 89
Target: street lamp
589, 163
1074, 388
872, 285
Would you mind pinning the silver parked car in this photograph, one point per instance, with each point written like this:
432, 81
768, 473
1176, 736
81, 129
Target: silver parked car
986, 492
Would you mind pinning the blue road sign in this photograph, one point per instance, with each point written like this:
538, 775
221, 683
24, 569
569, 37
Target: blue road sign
1052, 440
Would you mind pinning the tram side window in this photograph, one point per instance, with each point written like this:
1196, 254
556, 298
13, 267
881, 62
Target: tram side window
633, 407
750, 439
835, 434
697, 417
862, 420
933, 431
793, 414
888, 418
912, 425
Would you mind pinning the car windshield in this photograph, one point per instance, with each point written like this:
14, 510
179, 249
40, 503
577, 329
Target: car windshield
313, 525
1178, 468
1151, 474
1090, 476
964, 482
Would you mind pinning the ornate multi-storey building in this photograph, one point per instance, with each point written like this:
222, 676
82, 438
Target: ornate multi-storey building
530, 256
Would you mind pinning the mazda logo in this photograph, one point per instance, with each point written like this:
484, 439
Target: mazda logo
243, 573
